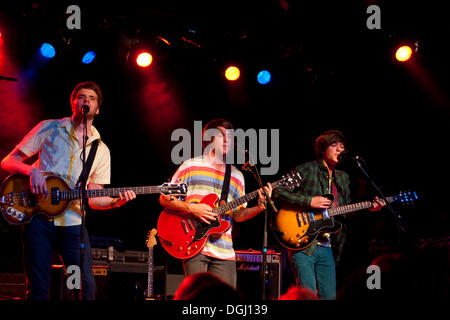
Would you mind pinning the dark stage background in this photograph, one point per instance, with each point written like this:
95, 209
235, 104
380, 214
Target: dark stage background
329, 71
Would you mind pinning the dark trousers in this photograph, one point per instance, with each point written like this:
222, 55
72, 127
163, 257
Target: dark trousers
225, 269
41, 237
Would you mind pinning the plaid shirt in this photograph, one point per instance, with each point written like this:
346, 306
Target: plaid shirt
315, 183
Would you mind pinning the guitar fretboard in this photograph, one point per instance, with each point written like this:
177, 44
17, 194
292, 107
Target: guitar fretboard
111, 192
352, 207
246, 198
150, 274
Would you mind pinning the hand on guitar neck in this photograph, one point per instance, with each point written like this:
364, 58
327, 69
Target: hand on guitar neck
38, 185
377, 204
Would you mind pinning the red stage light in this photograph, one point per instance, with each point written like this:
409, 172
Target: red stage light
403, 53
144, 59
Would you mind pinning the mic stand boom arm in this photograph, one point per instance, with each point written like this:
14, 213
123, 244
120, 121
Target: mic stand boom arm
400, 223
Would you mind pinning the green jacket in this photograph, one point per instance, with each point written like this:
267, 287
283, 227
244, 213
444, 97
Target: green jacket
316, 183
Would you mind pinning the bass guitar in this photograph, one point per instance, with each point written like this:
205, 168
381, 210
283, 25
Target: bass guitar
183, 236
19, 205
297, 230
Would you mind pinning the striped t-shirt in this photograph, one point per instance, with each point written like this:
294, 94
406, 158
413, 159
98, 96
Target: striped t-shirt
202, 179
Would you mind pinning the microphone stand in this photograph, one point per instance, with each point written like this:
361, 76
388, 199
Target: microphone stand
83, 202
254, 171
400, 224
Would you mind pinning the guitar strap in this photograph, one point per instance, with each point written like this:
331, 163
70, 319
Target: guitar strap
226, 184
89, 160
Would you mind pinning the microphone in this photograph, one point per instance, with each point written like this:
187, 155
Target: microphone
348, 155
247, 159
85, 108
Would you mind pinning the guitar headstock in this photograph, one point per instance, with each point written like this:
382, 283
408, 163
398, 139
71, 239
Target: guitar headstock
151, 238
291, 180
406, 197
173, 188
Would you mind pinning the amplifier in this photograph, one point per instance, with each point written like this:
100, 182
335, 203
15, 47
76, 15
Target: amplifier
122, 275
121, 261
249, 274
12, 286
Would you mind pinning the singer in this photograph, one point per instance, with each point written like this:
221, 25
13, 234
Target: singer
208, 174
58, 144
314, 266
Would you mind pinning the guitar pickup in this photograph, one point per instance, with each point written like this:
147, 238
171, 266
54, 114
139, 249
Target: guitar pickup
299, 219
54, 196
190, 224
185, 228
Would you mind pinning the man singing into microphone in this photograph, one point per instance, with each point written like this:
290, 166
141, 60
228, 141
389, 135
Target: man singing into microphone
59, 144
314, 266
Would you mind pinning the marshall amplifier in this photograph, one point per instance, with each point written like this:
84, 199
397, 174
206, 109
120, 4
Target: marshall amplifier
249, 274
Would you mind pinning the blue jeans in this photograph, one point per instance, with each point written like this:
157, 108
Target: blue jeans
41, 237
316, 272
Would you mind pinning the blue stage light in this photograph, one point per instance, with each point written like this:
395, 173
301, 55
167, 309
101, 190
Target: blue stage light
47, 50
88, 57
264, 77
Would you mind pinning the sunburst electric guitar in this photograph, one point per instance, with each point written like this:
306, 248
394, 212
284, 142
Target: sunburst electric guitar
296, 229
19, 205
183, 236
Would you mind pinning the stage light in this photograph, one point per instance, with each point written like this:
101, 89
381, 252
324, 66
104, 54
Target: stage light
88, 57
264, 77
47, 50
144, 59
403, 53
232, 73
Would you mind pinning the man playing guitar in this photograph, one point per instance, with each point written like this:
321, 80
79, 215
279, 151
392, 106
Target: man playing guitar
314, 266
205, 175
58, 144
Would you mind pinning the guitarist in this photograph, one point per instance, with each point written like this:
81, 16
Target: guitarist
204, 175
314, 266
58, 144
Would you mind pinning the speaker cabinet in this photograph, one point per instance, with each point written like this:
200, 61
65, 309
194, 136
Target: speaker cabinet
12, 286
250, 277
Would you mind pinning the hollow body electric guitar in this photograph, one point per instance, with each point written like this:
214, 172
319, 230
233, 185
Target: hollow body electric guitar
183, 236
297, 230
19, 205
